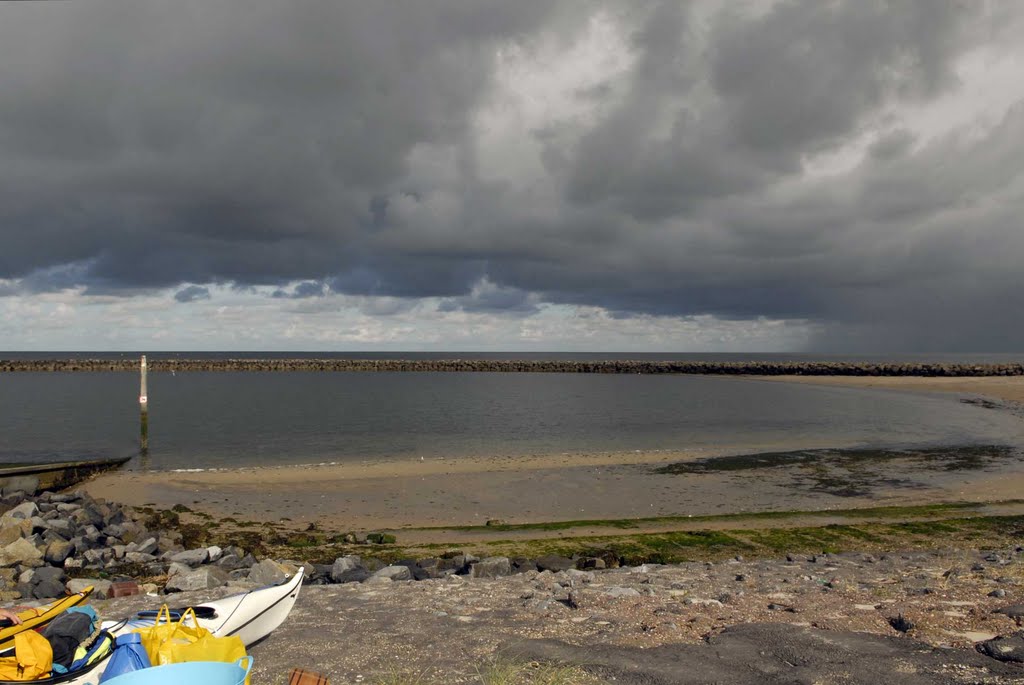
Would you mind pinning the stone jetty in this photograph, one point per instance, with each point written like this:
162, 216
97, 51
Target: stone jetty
738, 368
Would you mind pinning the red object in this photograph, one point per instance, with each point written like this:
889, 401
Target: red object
124, 588
300, 676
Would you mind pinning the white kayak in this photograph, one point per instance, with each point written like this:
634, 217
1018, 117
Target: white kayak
250, 615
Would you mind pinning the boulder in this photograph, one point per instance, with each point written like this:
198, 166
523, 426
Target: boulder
96, 556
491, 567
522, 565
100, 587
22, 552
554, 562
148, 546
14, 529
192, 557
452, 564
214, 553
230, 562
138, 557
177, 568
1004, 648
269, 572
87, 515
346, 568
45, 573
48, 589
392, 573
25, 510
61, 526
577, 577
200, 579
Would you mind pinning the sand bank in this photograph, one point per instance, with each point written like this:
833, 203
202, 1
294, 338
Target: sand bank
1007, 388
568, 486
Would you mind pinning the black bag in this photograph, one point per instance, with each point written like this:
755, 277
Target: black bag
65, 633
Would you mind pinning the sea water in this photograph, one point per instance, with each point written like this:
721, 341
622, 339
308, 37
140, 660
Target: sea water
201, 420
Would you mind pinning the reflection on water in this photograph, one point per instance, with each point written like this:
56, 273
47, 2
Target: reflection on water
204, 420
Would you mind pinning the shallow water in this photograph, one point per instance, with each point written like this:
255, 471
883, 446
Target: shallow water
209, 420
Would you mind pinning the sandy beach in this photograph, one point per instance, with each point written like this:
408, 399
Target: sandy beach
1006, 388
449, 492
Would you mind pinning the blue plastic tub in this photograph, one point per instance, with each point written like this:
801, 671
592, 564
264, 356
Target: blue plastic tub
205, 672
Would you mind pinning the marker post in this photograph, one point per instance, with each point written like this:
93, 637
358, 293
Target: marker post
143, 408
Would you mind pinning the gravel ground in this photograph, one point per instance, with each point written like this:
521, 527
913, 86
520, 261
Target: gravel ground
443, 630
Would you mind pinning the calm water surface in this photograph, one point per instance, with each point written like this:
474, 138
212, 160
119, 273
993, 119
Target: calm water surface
206, 420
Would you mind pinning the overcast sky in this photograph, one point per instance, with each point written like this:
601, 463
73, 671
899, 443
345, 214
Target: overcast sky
527, 175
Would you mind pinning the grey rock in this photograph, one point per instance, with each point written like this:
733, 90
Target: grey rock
1014, 611
1004, 648
168, 542
62, 526
25, 510
756, 654
346, 568
617, 591
452, 564
44, 573
192, 557
138, 557
87, 515
230, 562
578, 577
554, 562
696, 601
175, 568
22, 552
491, 567
148, 546
100, 588
200, 579
392, 573
214, 553
268, 572
48, 589
95, 556
14, 529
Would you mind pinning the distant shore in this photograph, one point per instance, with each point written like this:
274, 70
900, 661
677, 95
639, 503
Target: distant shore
623, 366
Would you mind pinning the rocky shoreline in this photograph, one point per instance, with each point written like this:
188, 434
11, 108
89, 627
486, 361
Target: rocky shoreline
747, 368
588, 610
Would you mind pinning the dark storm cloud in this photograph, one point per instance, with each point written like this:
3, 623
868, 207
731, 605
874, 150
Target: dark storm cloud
192, 293
336, 145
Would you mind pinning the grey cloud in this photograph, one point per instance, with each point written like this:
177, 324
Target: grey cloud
192, 293
302, 290
155, 145
489, 298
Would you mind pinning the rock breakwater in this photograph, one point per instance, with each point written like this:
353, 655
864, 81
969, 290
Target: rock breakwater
625, 366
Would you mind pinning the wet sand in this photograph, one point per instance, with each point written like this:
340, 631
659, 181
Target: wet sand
1006, 388
537, 488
